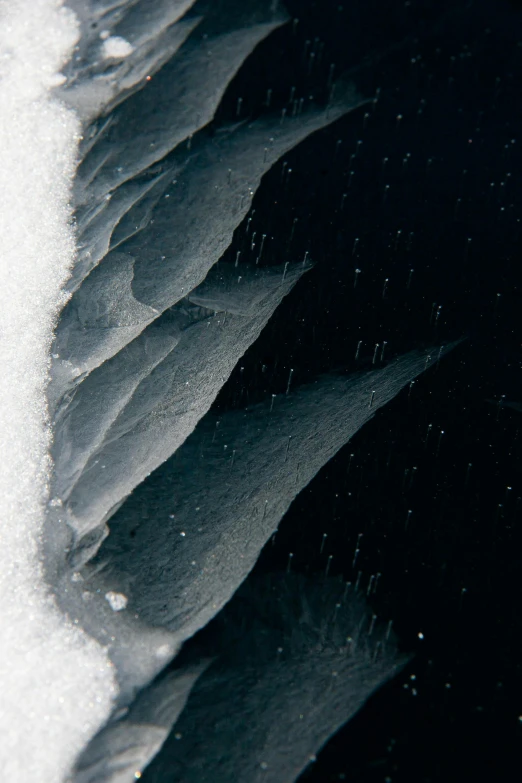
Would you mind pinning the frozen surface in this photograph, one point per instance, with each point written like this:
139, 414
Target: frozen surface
205, 196
300, 657
150, 333
134, 736
181, 98
121, 44
56, 683
195, 529
135, 410
152, 330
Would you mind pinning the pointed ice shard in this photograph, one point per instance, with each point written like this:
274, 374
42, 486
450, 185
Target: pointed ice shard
192, 226
137, 408
299, 658
195, 528
181, 98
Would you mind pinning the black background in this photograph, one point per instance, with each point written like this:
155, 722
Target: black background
436, 189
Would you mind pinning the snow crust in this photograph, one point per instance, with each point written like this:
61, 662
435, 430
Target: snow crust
56, 683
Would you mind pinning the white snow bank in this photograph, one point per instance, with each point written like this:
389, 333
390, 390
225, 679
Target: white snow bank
56, 684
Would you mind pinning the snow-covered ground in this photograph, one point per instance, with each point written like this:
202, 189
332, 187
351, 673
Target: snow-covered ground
56, 684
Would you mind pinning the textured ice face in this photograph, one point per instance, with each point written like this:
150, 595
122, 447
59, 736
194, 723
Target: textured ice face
134, 736
132, 412
178, 101
194, 530
121, 44
298, 658
205, 194
151, 332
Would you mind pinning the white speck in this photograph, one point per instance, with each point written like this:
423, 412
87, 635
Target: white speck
116, 48
164, 651
56, 683
56, 80
117, 601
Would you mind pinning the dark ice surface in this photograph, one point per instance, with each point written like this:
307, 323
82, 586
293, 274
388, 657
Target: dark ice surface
136, 734
134, 410
287, 215
194, 530
300, 657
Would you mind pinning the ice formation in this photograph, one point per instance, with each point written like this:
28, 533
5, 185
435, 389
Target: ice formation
134, 736
151, 328
195, 528
299, 657
132, 412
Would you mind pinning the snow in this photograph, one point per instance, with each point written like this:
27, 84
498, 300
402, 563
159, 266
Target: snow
117, 48
57, 684
117, 601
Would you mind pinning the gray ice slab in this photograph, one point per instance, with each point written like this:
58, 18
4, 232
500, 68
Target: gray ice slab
95, 83
137, 410
83, 420
177, 553
97, 226
300, 658
191, 227
181, 98
193, 531
134, 735
117, 318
